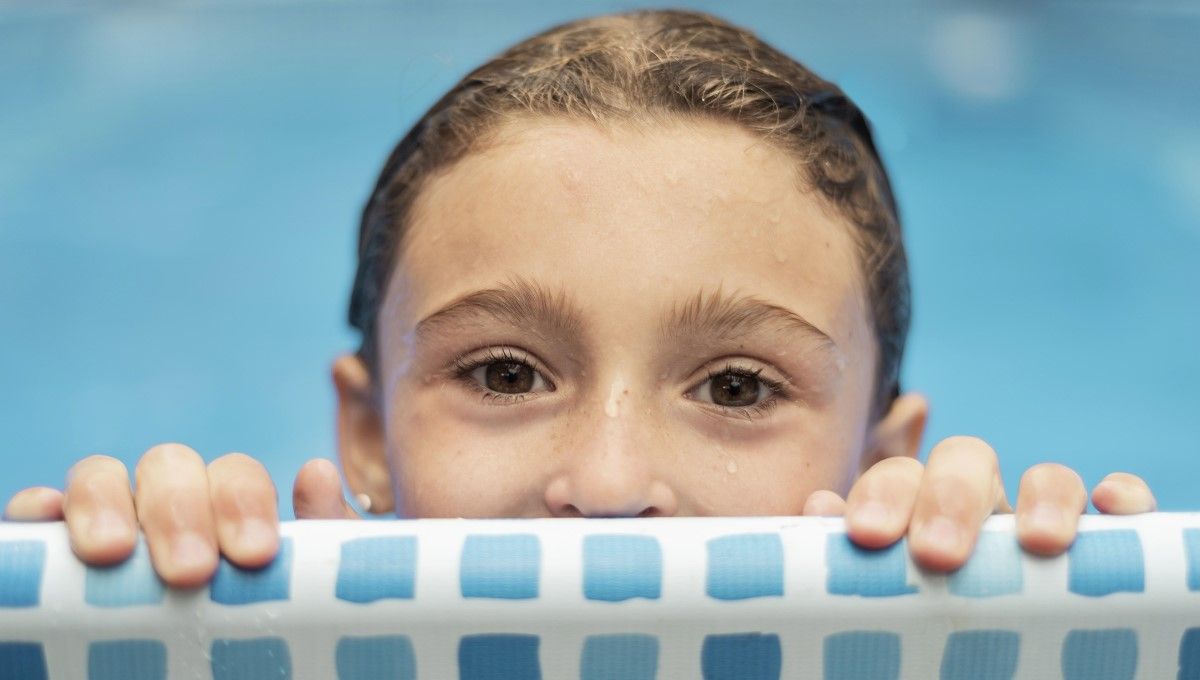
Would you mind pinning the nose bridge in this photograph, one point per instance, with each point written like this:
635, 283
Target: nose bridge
610, 461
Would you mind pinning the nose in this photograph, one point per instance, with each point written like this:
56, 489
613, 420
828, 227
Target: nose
612, 462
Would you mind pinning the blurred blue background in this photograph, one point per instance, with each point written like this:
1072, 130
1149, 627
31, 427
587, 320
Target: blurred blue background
180, 185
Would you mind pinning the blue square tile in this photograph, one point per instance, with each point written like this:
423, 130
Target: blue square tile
255, 659
127, 660
1100, 655
505, 566
743, 566
741, 656
618, 567
851, 570
132, 582
233, 585
1105, 562
981, 655
377, 568
1191, 547
369, 658
862, 655
1189, 655
21, 564
499, 657
22, 661
619, 656
993, 569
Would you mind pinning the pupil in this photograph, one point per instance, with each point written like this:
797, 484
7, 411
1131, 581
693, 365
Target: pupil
509, 377
731, 389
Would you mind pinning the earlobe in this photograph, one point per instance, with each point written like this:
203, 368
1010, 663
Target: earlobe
899, 431
362, 448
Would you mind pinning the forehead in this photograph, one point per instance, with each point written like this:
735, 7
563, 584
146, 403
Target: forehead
631, 218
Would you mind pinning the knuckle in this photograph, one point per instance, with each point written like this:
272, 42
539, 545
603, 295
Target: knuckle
963, 446
904, 464
237, 461
1055, 474
169, 452
1124, 478
96, 463
168, 455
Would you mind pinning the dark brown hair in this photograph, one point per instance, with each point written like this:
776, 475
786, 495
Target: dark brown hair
637, 65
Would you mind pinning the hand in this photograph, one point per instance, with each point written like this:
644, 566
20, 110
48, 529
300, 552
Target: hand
942, 506
188, 511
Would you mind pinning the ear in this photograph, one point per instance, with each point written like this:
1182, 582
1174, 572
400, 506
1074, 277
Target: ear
362, 446
898, 432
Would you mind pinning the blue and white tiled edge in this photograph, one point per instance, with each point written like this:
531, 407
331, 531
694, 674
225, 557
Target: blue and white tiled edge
756, 598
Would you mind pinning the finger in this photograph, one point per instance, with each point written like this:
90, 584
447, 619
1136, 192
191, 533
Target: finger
960, 489
245, 510
98, 508
174, 508
824, 503
1049, 502
317, 493
35, 504
1121, 493
880, 504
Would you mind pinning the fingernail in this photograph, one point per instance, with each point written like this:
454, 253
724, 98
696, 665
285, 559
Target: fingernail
190, 550
943, 531
255, 533
1046, 517
107, 527
874, 513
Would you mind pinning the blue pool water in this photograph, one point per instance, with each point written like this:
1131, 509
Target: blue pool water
180, 183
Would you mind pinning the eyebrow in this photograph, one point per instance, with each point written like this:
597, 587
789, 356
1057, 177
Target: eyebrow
728, 316
525, 304
517, 302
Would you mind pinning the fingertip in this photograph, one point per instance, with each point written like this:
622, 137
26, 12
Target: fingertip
1046, 528
937, 558
940, 544
873, 525
189, 561
258, 543
1043, 544
105, 541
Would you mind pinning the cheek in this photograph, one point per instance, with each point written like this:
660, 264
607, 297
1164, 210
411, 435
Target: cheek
442, 469
774, 477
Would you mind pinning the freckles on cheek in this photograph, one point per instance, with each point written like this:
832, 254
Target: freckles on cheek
446, 469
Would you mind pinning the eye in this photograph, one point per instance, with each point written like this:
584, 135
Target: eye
502, 375
740, 391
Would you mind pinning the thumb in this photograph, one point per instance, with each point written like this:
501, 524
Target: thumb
317, 493
824, 503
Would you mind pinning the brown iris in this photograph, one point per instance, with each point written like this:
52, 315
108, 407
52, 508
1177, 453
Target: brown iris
509, 377
733, 389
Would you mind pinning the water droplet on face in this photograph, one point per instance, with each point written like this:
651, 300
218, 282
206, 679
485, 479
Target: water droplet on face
731, 467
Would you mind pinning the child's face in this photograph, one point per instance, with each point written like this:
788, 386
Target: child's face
666, 254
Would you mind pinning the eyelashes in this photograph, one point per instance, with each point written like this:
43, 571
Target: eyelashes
776, 390
464, 370
502, 376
